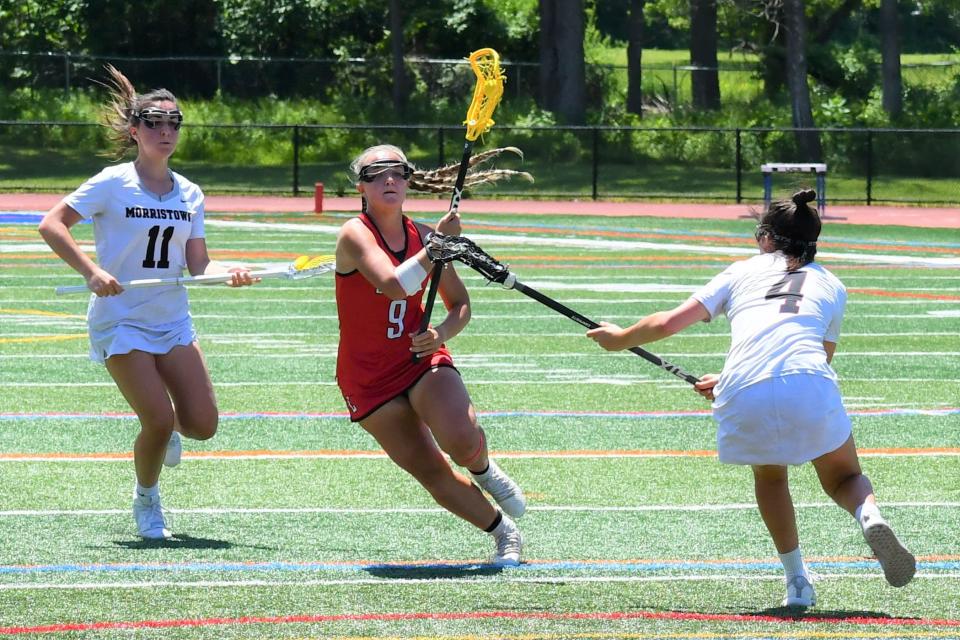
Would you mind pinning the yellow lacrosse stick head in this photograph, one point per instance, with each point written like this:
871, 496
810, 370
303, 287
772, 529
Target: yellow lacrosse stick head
486, 95
302, 263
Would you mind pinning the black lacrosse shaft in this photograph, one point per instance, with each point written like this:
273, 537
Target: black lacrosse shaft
454, 207
590, 324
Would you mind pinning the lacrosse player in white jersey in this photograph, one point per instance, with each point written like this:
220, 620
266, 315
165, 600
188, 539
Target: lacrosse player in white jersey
148, 223
776, 402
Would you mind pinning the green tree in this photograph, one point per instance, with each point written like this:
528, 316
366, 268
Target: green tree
38, 26
401, 81
890, 50
177, 28
795, 29
705, 80
563, 85
635, 41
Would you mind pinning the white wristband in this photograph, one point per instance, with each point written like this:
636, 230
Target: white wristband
411, 275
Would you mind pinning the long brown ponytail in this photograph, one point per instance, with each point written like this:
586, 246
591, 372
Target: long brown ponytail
119, 111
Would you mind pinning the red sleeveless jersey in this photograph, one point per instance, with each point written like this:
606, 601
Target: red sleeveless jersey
374, 361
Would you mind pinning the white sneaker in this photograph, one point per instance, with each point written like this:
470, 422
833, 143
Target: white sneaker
502, 489
898, 564
800, 592
174, 448
509, 543
149, 517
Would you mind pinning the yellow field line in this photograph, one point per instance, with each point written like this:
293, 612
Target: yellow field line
57, 338
40, 312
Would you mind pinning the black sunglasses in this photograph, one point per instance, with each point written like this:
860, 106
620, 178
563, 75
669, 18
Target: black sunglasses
153, 117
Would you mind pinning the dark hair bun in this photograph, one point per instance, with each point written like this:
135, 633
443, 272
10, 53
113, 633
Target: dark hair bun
805, 196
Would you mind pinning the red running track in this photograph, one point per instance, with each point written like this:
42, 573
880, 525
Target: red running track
944, 218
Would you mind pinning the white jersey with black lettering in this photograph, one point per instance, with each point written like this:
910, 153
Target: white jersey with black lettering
779, 320
139, 235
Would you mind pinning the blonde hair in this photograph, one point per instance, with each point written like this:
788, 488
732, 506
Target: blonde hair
444, 178
119, 112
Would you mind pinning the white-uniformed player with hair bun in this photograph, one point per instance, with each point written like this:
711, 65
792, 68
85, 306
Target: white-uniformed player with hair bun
776, 402
148, 223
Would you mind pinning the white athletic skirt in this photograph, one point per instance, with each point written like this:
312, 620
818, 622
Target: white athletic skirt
782, 421
124, 338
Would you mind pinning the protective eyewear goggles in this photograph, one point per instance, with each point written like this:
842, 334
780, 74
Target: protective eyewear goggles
382, 168
153, 117
762, 230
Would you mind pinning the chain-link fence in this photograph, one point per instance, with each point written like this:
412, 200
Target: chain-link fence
868, 166
247, 76
244, 76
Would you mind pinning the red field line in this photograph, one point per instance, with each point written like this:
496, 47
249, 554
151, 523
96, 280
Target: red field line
905, 294
679, 616
911, 216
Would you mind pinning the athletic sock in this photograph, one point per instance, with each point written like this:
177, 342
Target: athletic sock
147, 492
866, 512
480, 473
496, 523
793, 564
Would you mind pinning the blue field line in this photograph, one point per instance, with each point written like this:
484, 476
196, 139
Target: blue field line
697, 233
20, 217
354, 567
629, 415
26, 217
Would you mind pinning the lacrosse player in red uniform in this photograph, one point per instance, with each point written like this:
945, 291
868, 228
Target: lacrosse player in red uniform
776, 401
399, 383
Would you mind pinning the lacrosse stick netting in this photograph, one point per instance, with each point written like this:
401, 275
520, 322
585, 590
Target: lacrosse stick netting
486, 96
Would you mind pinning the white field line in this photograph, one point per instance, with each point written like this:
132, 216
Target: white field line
480, 302
378, 455
545, 278
34, 319
469, 361
478, 360
246, 337
624, 245
579, 243
628, 245
77, 322
499, 578
580, 378
659, 277
41, 247
616, 282
298, 343
671, 508
605, 285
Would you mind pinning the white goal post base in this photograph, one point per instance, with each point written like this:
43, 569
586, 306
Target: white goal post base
820, 169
